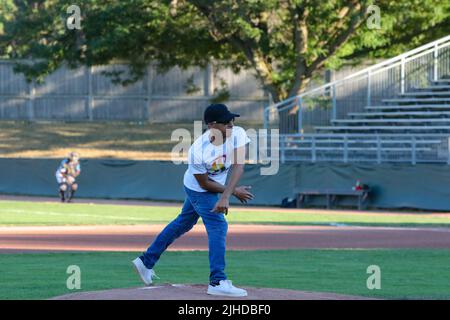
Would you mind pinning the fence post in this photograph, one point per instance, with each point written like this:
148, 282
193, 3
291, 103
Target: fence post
266, 112
333, 115
208, 81
378, 149
435, 66
299, 118
31, 98
413, 150
283, 158
402, 76
313, 149
89, 102
345, 149
149, 90
266, 118
369, 93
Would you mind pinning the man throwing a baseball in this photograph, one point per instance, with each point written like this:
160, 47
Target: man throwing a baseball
211, 156
66, 174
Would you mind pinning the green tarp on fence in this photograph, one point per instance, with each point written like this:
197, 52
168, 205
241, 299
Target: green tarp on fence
424, 186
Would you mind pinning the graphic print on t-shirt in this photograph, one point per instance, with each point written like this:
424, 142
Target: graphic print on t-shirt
218, 165
205, 157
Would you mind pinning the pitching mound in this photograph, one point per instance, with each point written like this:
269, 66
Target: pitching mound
198, 292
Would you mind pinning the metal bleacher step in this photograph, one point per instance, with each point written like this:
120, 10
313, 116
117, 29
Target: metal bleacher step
426, 94
357, 149
413, 101
393, 121
418, 114
374, 129
410, 107
441, 82
350, 141
432, 88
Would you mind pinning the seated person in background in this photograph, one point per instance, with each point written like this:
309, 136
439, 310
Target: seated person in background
66, 173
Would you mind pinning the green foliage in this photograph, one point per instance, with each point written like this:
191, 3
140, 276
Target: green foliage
190, 87
7, 12
322, 102
221, 93
220, 96
285, 42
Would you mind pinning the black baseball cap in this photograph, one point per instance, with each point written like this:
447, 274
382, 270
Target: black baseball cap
218, 112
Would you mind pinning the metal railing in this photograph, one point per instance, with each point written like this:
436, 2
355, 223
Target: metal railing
374, 148
414, 69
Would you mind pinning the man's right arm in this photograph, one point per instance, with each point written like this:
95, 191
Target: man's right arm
208, 184
242, 192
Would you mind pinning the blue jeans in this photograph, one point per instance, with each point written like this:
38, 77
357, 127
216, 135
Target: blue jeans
197, 204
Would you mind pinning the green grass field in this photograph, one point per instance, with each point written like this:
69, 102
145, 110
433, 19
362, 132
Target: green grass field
405, 274
15, 213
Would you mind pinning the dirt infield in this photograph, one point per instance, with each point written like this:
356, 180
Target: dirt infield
240, 237
198, 292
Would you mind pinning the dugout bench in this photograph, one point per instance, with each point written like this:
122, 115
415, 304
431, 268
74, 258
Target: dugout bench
332, 196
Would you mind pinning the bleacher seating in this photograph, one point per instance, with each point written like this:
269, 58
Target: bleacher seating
397, 110
412, 127
424, 110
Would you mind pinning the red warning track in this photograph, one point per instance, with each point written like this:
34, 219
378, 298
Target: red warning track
240, 237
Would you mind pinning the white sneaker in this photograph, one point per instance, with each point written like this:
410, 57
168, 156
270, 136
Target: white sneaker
146, 274
226, 288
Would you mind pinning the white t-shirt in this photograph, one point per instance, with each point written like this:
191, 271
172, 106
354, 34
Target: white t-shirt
205, 157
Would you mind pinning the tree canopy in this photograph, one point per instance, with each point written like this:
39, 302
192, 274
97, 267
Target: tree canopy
285, 42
